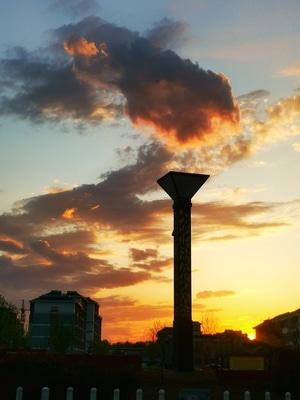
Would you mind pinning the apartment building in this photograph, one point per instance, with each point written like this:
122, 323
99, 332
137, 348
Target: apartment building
280, 331
66, 321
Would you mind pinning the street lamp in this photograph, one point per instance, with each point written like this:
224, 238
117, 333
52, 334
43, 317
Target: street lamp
181, 187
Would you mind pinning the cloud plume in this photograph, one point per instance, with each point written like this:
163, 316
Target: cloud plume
177, 98
112, 71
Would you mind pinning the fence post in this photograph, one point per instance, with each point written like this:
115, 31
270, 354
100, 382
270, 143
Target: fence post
19, 393
161, 394
226, 395
117, 394
93, 394
139, 394
70, 393
288, 396
267, 396
45, 393
247, 395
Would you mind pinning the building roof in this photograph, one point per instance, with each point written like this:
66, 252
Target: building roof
71, 295
278, 318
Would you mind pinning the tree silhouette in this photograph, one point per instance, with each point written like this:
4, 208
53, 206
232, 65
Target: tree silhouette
11, 329
209, 323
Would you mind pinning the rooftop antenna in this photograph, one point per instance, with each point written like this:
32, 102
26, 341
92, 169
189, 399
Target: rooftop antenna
23, 313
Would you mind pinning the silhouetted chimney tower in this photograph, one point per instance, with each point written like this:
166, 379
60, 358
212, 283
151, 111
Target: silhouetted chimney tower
181, 187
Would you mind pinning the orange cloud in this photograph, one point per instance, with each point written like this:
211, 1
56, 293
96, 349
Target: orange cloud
180, 101
293, 70
183, 111
206, 294
269, 122
95, 207
142, 255
115, 72
69, 213
76, 46
285, 110
11, 246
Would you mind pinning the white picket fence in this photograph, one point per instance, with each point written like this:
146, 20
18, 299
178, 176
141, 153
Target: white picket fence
139, 394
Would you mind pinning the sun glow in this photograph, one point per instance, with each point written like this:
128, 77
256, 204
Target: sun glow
251, 336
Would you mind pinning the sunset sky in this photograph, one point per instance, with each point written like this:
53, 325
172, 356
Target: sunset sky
99, 99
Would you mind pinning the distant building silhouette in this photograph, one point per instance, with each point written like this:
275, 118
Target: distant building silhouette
64, 319
280, 331
207, 348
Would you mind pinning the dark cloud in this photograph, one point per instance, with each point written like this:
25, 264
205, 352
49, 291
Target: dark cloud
112, 71
84, 238
174, 96
11, 246
245, 218
167, 34
66, 239
142, 255
45, 91
51, 237
118, 301
65, 271
96, 30
149, 260
115, 201
254, 96
155, 265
